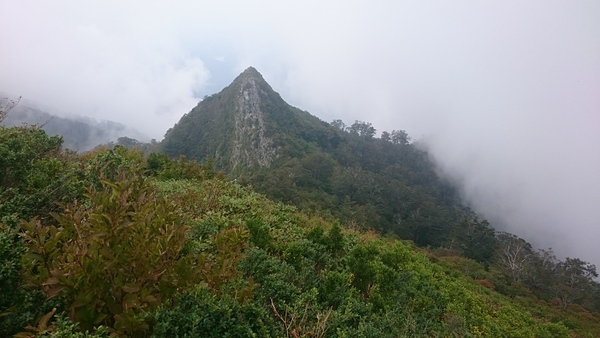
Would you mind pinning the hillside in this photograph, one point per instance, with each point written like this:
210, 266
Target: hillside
114, 242
385, 183
255, 136
158, 248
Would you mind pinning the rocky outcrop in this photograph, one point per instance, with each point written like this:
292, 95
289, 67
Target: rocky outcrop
251, 146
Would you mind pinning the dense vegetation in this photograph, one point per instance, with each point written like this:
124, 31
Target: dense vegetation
112, 242
385, 183
345, 172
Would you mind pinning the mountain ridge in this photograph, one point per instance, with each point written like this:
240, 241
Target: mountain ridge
249, 111
292, 156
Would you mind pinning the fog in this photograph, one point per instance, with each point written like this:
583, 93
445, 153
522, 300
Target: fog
506, 95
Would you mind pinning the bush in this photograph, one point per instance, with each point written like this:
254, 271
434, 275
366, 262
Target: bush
115, 256
202, 314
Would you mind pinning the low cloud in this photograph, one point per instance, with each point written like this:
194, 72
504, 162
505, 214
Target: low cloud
92, 68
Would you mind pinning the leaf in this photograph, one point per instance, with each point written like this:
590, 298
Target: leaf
33, 257
78, 303
114, 307
130, 288
53, 292
129, 301
43, 324
51, 281
99, 318
96, 235
150, 299
26, 334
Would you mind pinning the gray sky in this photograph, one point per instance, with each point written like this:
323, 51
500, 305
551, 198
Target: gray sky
507, 93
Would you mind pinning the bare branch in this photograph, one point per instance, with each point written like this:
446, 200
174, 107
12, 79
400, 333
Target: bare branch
6, 106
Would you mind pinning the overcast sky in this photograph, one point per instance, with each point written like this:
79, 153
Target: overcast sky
506, 93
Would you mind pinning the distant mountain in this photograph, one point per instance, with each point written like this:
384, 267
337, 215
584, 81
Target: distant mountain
79, 133
344, 171
246, 125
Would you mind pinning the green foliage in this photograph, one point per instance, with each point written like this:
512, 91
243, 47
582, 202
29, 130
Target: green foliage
368, 183
334, 241
225, 253
187, 136
10, 267
201, 313
160, 166
361, 263
275, 277
113, 257
32, 172
259, 233
363, 129
475, 238
26, 307
62, 327
301, 271
170, 248
267, 270
109, 164
22, 150
17, 306
573, 280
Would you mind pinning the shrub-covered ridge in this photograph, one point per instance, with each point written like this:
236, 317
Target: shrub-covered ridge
154, 247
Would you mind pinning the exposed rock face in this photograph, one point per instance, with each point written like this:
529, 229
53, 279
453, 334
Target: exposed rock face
251, 146
239, 127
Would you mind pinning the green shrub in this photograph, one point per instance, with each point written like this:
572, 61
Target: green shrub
202, 314
113, 257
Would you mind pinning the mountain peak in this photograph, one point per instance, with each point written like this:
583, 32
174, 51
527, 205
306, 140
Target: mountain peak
251, 70
231, 126
246, 125
249, 75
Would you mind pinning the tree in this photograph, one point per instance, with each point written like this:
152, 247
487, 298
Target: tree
339, 124
127, 141
364, 129
319, 166
476, 238
574, 280
33, 172
543, 270
400, 137
514, 255
386, 136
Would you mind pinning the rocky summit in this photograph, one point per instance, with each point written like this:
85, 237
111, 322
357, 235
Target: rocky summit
230, 126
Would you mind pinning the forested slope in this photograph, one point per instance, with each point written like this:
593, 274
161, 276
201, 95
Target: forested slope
156, 247
386, 183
